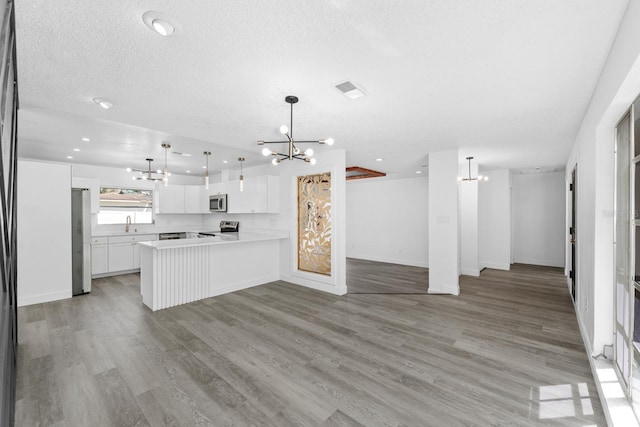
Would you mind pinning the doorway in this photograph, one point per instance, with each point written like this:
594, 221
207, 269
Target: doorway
572, 231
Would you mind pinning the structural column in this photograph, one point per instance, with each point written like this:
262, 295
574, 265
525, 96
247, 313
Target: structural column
443, 223
468, 190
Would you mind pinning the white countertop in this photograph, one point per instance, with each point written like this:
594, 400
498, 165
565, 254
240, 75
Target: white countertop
178, 229
228, 238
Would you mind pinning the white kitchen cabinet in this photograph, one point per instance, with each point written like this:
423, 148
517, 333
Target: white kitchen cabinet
115, 254
170, 199
136, 255
94, 190
261, 194
181, 199
217, 188
99, 255
136, 247
234, 196
196, 199
120, 256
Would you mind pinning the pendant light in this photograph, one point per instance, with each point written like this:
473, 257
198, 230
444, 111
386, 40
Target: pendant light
166, 147
292, 152
241, 159
206, 172
469, 179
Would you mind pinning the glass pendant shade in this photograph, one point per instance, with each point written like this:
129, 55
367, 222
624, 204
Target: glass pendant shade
206, 172
241, 159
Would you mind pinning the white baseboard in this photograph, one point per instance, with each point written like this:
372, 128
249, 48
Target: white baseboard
391, 260
496, 266
243, 285
115, 273
543, 262
314, 285
469, 272
37, 299
453, 290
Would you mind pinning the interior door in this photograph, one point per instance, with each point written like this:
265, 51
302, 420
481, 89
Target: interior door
573, 232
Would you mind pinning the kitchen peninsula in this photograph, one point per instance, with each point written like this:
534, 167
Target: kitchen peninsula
174, 272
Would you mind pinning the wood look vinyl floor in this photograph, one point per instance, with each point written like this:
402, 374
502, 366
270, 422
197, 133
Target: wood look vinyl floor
370, 277
506, 352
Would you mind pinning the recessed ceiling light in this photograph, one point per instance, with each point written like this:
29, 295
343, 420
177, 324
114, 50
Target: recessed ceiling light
204, 167
76, 149
86, 139
163, 27
224, 161
69, 157
418, 171
160, 23
378, 159
188, 171
104, 103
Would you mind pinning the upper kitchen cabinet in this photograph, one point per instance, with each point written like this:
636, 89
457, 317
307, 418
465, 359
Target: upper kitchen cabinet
196, 199
170, 199
261, 194
181, 199
94, 190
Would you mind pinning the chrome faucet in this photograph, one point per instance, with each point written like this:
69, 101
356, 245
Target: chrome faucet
128, 224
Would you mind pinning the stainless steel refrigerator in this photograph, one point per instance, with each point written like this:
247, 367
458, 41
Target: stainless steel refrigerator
80, 240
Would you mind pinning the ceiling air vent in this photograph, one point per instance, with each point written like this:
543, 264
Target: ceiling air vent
350, 90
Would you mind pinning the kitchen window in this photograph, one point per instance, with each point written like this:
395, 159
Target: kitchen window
116, 204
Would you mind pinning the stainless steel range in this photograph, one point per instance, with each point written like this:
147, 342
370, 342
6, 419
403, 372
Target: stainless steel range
225, 227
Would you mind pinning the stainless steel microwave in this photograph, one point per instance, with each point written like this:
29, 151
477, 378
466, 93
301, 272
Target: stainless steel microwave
218, 203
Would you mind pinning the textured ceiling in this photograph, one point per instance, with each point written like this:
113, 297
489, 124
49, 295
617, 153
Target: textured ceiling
505, 81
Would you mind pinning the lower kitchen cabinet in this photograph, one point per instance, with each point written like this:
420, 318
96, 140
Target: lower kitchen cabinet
99, 255
136, 254
120, 256
115, 254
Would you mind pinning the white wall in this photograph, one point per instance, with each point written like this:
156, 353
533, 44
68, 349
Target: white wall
494, 218
44, 232
538, 215
387, 220
468, 205
443, 222
592, 152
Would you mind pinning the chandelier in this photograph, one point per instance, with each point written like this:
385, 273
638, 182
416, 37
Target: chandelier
293, 152
469, 179
147, 175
